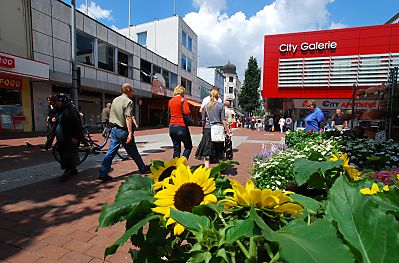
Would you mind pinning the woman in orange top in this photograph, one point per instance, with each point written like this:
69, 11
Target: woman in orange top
178, 130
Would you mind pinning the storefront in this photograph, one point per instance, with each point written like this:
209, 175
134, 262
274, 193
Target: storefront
324, 65
16, 74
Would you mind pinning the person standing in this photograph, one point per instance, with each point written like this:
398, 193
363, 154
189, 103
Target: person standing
105, 117
338, 121
288, 122
51, 123
315, 119
207, 99
271, 124
212, 114
228, 144
121, 122
178, 130
69, 134
281, 122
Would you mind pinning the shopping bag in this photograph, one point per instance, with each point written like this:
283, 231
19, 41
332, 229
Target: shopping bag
217, 133
228, 147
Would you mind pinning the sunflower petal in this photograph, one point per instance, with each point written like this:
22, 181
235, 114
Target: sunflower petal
178, 229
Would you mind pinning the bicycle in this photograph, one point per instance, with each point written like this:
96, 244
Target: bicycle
90, 146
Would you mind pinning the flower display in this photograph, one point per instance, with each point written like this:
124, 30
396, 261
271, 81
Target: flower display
276, 200
185, 191
353, 173
374, 189
160, 173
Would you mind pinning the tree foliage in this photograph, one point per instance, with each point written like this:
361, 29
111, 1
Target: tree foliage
248, 98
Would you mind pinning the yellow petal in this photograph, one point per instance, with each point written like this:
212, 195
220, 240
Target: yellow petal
365, 191
209, 199
178, 229
374, 188
165, 202
162, 210
290, 208
256, 197
385, 188
249, 186
170, 221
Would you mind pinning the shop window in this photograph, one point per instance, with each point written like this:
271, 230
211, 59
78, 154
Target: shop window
184, 38
123, 64
105, 56
190, 44
173, 80
183, 62
145, 71
142, 38
84, 49
10, 105
187, 84
165, 75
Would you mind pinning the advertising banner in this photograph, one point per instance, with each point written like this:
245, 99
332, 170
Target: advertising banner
343, 104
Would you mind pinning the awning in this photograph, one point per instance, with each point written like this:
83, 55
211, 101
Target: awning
194, 103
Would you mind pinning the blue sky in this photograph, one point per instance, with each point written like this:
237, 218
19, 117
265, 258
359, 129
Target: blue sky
243, 23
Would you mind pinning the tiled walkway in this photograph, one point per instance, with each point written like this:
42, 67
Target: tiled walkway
45, 221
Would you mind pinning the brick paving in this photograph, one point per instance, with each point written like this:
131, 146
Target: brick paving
45, 221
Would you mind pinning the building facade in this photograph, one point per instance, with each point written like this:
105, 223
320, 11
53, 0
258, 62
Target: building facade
106, 60
232, 84
214, 76
326, 64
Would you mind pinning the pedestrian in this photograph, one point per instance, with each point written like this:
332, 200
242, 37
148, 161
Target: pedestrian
228, 144
51, 122
178, 129
105, 118
338, 121
69, 134
281, 122
207, 99
121, 120
271, 124
288, 122
212, 116
315, 119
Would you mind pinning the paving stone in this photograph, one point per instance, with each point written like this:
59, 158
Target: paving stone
53, 252
57, 239
77, 246
75, 257
120, 257
81, 235
23, 257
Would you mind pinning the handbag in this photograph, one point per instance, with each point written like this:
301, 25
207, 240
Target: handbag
217, 133
188, 119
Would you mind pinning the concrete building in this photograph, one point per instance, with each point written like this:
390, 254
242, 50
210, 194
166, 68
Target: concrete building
106, 60
173, 39
214, 76
232, 84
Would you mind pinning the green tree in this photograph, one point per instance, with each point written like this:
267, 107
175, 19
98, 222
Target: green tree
248, 98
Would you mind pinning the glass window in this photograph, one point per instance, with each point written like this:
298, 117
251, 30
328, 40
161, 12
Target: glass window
142, 38
184, 38
231, 79
187, 84
173, 80
123, 64
230, 89
183, 62
84, 49
189, 64
165, 75
145, 71
190, 44
105, 56
10, 102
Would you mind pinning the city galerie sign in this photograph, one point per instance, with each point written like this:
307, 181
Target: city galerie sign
305, 46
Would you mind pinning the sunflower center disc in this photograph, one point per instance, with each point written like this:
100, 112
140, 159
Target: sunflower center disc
166, 173
188, 196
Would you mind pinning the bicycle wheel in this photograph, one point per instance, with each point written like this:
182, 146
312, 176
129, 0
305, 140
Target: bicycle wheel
123, 154
83, 153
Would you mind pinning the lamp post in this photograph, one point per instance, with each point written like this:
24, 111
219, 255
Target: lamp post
353, 104
140, 102
74, 91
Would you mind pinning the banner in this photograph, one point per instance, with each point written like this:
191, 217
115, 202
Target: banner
10, 83
343, 104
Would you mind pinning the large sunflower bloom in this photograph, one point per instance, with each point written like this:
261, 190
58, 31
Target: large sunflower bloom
353, 173
159, 174
276, 200
185, 191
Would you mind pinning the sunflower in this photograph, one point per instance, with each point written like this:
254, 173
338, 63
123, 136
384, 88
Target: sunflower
184, 191
160, 173
276, 200
353, 173
374, 189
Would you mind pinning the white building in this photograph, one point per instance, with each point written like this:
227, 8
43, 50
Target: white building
213, 76
232, 84
173, 39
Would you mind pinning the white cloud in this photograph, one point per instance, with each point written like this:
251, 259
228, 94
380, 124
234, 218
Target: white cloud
95, 11
235, 38
335, 25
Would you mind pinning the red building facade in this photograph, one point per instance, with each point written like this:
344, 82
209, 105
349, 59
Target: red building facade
325, 64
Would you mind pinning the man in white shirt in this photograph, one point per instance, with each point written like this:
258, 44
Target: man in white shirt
207, 99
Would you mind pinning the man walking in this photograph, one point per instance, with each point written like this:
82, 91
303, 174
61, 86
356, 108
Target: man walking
121, 121
105, 117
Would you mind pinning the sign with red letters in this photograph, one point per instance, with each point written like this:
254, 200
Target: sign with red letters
7, 62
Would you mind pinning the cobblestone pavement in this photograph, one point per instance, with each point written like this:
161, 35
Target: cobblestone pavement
42, 220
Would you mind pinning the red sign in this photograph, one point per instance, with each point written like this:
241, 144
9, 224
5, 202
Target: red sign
7, 62
10, 83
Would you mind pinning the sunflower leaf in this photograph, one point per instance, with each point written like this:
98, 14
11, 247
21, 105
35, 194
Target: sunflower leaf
304, 169
238, 229
368, 228
132, 184
128, 233
189, 220
222, 166
157, 163
308, 203
388, 201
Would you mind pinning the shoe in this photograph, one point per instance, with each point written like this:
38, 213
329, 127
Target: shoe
65, 176
146, 170
105, 178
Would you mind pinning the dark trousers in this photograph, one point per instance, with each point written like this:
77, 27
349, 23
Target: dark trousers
50, 135
180, 134
118, 138
69, 154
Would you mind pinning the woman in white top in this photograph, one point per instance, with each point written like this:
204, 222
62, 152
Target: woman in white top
282, 123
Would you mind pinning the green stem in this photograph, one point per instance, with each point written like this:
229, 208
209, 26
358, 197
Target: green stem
275, 258
269, 251
252, 250
240, 245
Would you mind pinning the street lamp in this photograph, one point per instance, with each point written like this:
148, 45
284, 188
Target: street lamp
74, 91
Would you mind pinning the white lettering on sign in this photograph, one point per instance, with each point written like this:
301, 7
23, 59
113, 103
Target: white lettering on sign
305, 46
